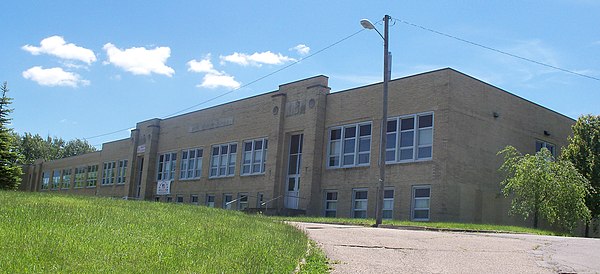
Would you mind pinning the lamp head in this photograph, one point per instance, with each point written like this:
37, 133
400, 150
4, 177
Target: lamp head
366, 24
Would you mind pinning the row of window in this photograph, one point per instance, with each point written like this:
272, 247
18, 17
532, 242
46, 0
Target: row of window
419, 207
241, 202
85, 176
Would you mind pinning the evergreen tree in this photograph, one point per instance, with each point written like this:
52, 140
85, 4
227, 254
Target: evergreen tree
10, 170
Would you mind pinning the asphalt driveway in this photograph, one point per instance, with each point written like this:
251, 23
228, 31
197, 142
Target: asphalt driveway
357, 249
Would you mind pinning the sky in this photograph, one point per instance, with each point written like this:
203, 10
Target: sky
93, 69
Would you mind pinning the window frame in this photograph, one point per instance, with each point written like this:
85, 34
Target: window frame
65, 178
545, 144
262, 163
108, 173
80, 180
91, 176
166, 169
56, 176
356, 153
122, 172
416, 133
391, 210
241, 201
225, 201
414, 201
228, 167
45, 185
208, 201
196, 198
354, 200
328, 201
196, 161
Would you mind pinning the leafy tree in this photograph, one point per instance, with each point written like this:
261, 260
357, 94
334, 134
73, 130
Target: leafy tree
34, 147
584, 152
544, 187
10, 170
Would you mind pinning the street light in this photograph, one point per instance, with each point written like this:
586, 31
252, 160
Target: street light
387, 69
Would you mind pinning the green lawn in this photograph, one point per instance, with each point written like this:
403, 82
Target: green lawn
53, 233
427, 225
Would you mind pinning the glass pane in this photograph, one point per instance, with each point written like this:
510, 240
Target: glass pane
295, 144
293, 165
360, 214
360, 194
425, 136
247, 146
364, 144
335, 148
407, 139
421, 214
256, 168
246, 169
192, 154
224, 149
390, 142
360, 204
335, 134
330, 214
363, 158
334, 161
215, 151
387, 214
406, 154
424, 152
421, 203
199, 153
350, 132
390, 155
331, 196
331, 205
349, 159
349, 146
365, 130
388, 204
421, 192
407, 123
291, 184
538, 146
257, 156
425, 121
266, 142
233, 148
247, 157
388, 193
258, 144
391, 125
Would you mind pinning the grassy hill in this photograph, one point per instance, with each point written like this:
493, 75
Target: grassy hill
53, 233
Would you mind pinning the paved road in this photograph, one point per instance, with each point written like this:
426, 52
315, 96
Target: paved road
356, 249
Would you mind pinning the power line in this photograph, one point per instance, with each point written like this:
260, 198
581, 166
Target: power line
242, 86
498, 51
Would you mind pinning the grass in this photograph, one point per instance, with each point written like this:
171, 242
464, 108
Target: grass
53, 233
431, 225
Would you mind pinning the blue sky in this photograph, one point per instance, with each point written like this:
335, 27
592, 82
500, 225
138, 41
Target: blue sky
78, 69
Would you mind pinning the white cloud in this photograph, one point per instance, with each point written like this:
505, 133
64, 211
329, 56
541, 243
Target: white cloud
57, 46
140, 61
54, 77
213, 78
301, 49
257, 58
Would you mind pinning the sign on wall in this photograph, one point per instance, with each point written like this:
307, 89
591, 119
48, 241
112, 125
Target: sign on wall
163, 187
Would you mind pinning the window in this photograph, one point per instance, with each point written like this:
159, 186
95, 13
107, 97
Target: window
121, 172
409, 138
259, 199
79, 176
541, 144
179, 199
254, 156
210, 200
420, 206
388, 204
66, 178
92, 176
349, 145
242, 201
108, 173
227, 198
194, 199
359, 203
191, 164
55, 179
45, 179
166, 166
222, 162
331, 203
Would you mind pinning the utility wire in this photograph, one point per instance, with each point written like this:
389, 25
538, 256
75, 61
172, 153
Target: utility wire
242, 86
498, 51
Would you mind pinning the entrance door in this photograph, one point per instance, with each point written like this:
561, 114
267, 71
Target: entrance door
292, 192
138, 189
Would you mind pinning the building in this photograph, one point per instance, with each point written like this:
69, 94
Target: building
304, 149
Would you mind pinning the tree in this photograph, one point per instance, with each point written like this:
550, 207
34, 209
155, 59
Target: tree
10, 170
544, 187
584, 152
34, 147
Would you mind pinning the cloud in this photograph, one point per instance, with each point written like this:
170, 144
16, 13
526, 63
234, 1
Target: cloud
54, 77
140, 61
57, 46
257, 58
301, 49
212, 78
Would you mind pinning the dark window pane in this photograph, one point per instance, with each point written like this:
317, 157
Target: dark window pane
248, 146
200, 151
266, 143
293, 165
391, 140
388, 194
334, 161
407, 139
406, 154
295, 144
349, 146
215, 151
390, 155
421, 192
224, 149
233, 148
425, 121
424, 152
291, 184
421, 214
363, 158
349, 160
349, 132
364, 145
365, 130
391, 126
258, 144
407, 124
360, 194
336, 134
331, 196
387, 214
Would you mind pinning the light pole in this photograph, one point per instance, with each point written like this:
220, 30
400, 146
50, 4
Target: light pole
387, 69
